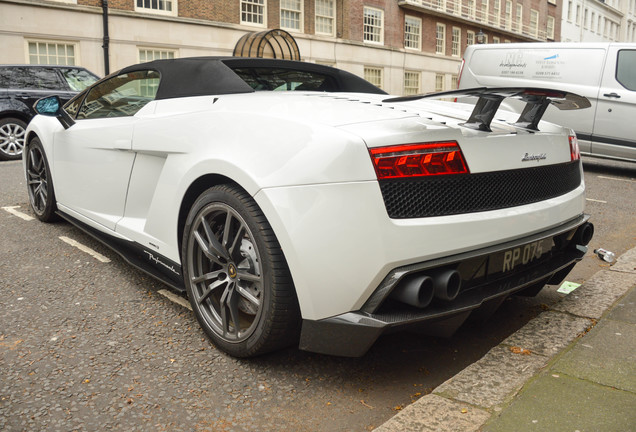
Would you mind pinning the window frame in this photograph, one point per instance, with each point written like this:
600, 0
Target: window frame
301, 16
123, 110
485, 10
174, 53
549, 30
419, 33
508, 15
441, 77
74, 44
380, 70
173, 12
418, 88
253, 3
534, 28
373, 26
332, 18
470, 35
518, 24
439, 26
456, 44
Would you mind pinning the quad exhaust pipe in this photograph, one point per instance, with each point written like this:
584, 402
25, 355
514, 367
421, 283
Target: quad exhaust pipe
584, 234
415, 290
418, 290
446, 284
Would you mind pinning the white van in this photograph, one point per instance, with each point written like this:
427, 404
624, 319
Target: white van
605, 73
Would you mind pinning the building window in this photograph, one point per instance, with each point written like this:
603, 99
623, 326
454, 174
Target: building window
578, 15
373, 75
439, 82
373, 25
439, 4
452, 7
456, 42
497, 11
412, 32
484, 10
593, 23
454, 82
470, 38
325, 16
496, 40
550, 28
159, 6
412, 83
52, 53
471, 8
440, 39
291, 15
518, 24
508, 15
534, 23
253, 12
150, 54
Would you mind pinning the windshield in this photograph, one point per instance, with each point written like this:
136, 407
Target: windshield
78, 79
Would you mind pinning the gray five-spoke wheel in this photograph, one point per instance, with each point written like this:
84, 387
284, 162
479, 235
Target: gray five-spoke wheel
225, 272
12, 134
37, 179
39, 184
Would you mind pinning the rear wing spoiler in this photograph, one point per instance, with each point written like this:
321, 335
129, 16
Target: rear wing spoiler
537, 101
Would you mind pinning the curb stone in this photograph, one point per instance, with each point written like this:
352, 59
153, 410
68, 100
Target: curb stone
465, 402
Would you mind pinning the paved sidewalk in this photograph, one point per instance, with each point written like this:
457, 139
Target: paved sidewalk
572, 368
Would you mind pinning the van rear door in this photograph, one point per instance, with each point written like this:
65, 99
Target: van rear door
614, 132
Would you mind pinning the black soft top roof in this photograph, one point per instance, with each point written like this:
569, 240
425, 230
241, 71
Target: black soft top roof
202, 76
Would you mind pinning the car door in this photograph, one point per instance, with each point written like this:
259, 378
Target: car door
613, 133
93, 159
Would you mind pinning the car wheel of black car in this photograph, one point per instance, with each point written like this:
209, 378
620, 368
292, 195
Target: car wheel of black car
236, 276
12, 133
39, 184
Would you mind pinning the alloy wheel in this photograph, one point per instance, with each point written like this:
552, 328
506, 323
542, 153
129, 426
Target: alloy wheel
12, 139
226, 278
37, 178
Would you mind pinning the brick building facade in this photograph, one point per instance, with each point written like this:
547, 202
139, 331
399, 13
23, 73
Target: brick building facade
404, 46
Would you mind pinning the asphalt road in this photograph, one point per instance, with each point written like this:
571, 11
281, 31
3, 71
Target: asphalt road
93, 345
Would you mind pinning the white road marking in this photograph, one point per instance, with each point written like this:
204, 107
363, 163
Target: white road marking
598, 201
175, 298
14, 212
615, 178
91, 252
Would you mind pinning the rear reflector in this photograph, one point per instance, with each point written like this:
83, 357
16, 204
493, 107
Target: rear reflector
417, 160
575, 152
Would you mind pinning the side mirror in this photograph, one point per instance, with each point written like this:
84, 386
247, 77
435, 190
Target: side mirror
48, 106
52, 107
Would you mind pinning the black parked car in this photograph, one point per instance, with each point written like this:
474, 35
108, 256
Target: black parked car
21, 86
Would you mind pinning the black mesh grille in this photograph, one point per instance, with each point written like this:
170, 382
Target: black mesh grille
457, 194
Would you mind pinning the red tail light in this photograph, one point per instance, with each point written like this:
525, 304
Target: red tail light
416, 160
575, 153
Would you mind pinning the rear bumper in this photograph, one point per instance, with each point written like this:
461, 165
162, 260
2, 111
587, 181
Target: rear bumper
351, 334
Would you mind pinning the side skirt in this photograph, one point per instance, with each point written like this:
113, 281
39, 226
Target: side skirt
150, 262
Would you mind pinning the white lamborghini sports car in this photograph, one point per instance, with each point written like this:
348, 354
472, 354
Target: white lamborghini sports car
298, 204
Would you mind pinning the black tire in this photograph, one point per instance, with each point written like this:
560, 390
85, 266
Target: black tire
12, 135
39, 184
236, 276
